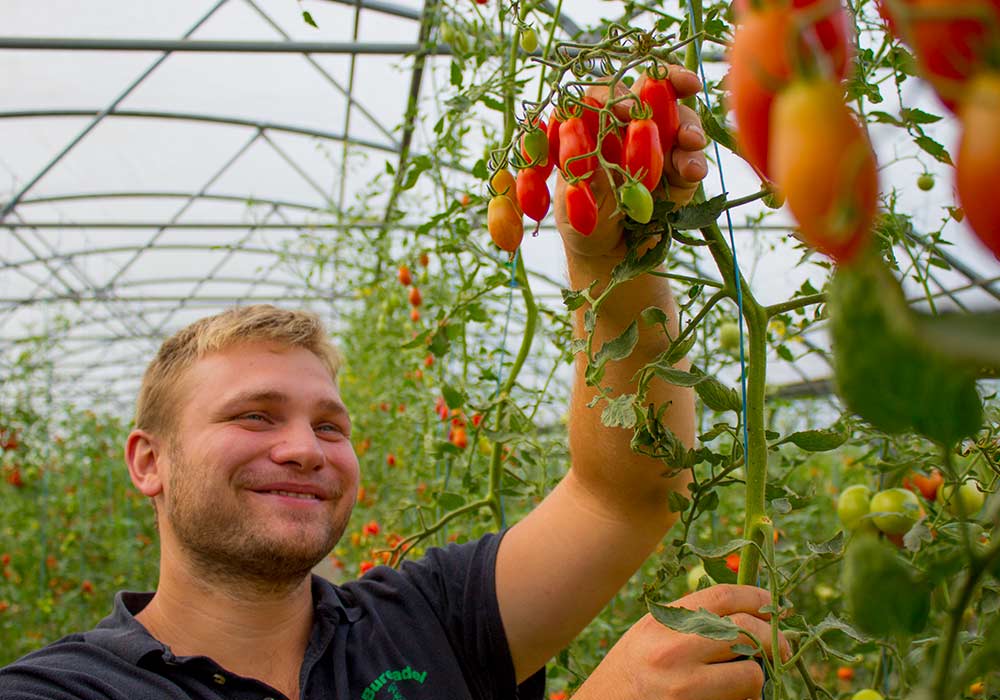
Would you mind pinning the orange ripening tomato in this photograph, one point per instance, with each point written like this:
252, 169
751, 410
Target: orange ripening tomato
977, 166
660, 96
825, 166
951, 39
532, 193
733, 562
405, 278
845, 673
643, 152
503, 183
503, 219
927, 485
581, 207
415, 298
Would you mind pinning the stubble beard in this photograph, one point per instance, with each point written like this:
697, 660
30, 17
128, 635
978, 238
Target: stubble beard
228, 548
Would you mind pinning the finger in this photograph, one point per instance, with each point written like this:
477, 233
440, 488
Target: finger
728, 598
688, 168
690, 135
733, 680
620, 109
760, 630
685, 82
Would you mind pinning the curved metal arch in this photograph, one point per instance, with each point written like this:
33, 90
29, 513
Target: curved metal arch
138, 194
216, 119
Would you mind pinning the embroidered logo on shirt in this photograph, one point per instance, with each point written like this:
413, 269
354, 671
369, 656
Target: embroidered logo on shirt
388, 680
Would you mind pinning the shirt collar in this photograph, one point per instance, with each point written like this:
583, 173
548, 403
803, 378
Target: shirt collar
128, 639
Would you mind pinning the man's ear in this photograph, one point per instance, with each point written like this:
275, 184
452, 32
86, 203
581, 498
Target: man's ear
144, 455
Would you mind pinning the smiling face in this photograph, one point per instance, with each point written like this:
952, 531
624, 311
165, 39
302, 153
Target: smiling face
260, 477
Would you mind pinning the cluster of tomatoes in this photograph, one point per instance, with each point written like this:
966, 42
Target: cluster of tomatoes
894, 511
957, 47
457, 433
414, 296
582, 138
787, 62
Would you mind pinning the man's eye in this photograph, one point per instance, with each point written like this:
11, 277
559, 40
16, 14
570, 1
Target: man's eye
254, 416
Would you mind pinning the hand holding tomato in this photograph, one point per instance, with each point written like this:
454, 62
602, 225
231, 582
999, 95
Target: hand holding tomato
684, 169
653, 661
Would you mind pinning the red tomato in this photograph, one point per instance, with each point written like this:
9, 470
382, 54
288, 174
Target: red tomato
552, 132
611, 146
643, 152
733, 562
405, 278
581, 207
532, 193
977, 166
824, 164
661, 97
390, 459
951, 39
845, 673
758, 71
576, 142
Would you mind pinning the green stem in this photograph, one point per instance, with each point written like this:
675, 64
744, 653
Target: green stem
775, 309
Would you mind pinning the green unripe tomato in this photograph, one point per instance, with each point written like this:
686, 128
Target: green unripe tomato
925, 182
729, 336
853, 506
968, 502
824, 592
637, 202
529, 40
899, 510
536, 146
694, 576
867, 694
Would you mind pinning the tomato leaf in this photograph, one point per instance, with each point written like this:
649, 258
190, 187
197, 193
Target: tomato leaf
695, 216
455, 398
633, 266
618, 348
832, 547
933, 148
700, 622
714, 130
308, 18
816, 440
620, 412
899, 604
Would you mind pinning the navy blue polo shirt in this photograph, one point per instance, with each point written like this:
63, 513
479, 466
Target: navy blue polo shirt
430, 630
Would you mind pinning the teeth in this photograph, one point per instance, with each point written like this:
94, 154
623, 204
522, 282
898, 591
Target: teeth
307, 496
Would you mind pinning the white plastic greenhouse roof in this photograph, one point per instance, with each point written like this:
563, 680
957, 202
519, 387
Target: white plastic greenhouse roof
158, 161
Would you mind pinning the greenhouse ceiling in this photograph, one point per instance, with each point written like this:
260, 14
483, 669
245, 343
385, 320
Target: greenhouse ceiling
161, 161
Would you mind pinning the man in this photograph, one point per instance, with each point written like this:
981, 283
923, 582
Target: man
243, 444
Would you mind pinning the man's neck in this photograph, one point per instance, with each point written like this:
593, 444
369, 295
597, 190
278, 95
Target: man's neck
247, 632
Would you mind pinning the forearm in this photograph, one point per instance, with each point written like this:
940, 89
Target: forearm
602, 458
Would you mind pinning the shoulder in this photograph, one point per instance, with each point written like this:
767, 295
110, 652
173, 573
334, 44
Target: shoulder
442, 572
62, 670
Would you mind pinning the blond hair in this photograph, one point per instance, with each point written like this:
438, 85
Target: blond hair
157, 406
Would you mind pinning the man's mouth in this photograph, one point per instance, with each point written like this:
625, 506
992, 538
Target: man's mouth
292, 494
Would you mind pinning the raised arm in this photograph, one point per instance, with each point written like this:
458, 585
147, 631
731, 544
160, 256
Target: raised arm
561, 564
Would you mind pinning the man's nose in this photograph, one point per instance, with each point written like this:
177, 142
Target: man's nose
298, 445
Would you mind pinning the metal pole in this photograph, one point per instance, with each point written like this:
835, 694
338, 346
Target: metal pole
218, 46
